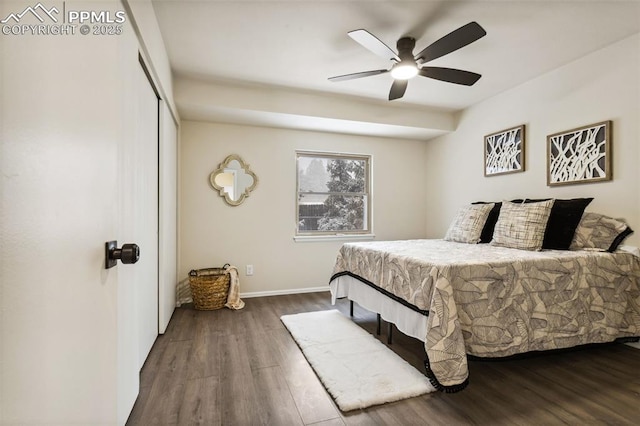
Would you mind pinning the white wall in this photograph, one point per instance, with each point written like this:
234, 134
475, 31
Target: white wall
261, 230
279, 107
604, 85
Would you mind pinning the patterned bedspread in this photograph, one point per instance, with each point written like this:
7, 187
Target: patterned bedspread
492, 301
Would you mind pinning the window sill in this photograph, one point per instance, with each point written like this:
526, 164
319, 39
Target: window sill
336, 237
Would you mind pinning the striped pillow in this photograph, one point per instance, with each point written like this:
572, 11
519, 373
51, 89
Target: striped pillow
467, 225
522, 226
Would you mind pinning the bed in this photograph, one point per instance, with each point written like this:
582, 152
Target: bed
488, 300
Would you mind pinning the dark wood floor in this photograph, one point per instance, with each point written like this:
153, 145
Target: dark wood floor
243, 368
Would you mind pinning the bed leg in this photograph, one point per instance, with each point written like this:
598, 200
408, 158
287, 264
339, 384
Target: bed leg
389, 333
378, 328
351, 307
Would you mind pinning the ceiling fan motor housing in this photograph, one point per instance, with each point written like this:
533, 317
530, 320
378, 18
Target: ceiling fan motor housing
405, 47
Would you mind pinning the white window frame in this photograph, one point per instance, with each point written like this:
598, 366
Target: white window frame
366, 233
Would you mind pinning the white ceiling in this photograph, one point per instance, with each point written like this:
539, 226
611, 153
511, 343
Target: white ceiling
297, 44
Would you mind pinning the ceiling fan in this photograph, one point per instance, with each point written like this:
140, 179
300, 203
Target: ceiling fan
406, 65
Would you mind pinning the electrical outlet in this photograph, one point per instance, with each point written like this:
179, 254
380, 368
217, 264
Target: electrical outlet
249, 270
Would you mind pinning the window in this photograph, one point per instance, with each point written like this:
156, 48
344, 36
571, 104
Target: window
333, 194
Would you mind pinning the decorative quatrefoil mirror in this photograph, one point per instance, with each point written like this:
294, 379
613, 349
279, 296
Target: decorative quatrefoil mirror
233, 180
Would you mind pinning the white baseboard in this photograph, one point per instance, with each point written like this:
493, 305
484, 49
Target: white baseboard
283, 292
634, 345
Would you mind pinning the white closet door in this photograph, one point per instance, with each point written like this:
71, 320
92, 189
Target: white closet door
145, 216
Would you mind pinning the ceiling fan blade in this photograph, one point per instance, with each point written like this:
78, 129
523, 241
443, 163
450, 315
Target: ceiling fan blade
372, 43
397, 89
453, 41
357, 75
450, 75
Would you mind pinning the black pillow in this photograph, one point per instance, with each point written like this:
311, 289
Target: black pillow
490, 224
563, 221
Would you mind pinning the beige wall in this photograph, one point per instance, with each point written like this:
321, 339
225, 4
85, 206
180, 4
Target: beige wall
260, 231
602, 86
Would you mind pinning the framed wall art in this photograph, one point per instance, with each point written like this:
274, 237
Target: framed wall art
504, 151
579, 155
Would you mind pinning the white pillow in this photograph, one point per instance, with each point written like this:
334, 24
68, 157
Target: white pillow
467, 225
522, 226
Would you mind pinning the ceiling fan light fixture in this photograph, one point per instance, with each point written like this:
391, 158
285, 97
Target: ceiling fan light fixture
404, 71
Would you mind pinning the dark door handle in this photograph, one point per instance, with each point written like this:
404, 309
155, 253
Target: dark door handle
128, 253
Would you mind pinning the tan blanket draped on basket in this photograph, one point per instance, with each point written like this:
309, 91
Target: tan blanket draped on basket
233, 298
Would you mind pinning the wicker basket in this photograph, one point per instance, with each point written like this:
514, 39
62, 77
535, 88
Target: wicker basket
209, 288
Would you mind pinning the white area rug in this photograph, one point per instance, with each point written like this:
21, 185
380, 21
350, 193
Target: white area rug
355, 368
